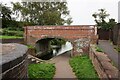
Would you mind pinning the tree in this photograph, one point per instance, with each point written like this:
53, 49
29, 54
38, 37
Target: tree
100, 19
6, 12
111, 23
8, 21
43, 13
5, 15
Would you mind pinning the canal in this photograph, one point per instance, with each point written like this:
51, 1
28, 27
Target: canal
57, 51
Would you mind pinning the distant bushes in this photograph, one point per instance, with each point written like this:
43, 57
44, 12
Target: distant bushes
11, 32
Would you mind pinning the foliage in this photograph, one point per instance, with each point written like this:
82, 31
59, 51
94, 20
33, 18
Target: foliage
45, 71
5, 13
43, 13
11, 32
7, 20
98, 49
117, 49
83, 68
9, 37
12, 25
100, 19
111, 23
57, 41
30, 46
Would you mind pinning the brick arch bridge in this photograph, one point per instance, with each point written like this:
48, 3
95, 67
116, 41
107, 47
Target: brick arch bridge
74, 34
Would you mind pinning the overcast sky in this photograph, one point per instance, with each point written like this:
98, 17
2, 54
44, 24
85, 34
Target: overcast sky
81, 10
119, 12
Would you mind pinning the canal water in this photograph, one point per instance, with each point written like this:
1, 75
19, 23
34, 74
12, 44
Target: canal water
64, 48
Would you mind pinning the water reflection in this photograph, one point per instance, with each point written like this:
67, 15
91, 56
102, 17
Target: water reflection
57, 51
67, 47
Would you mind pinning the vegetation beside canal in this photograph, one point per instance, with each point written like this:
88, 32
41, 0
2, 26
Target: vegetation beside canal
98, 49
10, 34
9, 37
117, 49
83, 68
45, 71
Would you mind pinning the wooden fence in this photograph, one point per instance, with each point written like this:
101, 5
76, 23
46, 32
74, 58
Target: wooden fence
116, 34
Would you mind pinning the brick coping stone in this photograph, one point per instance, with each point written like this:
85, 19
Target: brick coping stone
12, 54
6, 48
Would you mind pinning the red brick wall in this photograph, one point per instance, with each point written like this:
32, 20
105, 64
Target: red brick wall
70, 33
34, 33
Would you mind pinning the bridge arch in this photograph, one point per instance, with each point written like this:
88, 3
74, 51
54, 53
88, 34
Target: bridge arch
73, 34
43, 45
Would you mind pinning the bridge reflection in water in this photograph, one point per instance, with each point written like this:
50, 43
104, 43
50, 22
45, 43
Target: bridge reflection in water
57, 51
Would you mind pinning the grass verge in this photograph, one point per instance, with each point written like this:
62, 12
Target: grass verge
117, 49
98, 49
83, 68
9, 37
44, 71
30, 46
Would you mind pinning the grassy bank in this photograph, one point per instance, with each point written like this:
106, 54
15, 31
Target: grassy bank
44, 71
83, 68
9, 37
